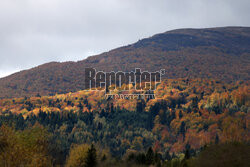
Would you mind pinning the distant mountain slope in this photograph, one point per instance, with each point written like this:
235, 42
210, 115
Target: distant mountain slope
221, 53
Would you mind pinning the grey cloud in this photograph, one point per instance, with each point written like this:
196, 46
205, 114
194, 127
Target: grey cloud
36, 32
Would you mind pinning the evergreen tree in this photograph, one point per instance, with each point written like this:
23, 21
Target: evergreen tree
217, 140
195, 103
180, 114
187, 152
80, 106
150, 156
91, 159
140, 106
182, 129
111, 107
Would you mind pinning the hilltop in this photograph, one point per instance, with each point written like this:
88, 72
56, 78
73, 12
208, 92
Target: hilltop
217, 53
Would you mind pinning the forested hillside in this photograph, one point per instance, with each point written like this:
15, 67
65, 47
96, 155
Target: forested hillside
187, 117
221, 53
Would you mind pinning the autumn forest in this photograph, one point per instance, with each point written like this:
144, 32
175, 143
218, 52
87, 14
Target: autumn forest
187, 118
199, 116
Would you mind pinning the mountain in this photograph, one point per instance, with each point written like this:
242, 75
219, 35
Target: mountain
221, 53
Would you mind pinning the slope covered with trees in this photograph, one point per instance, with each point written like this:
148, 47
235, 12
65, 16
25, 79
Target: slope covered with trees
187, 116
222, 53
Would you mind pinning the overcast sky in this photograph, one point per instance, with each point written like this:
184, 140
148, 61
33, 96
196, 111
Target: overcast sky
33, 32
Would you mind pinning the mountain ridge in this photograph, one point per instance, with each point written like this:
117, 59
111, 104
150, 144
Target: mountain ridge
196, 53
